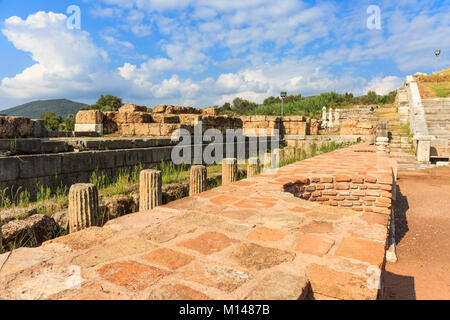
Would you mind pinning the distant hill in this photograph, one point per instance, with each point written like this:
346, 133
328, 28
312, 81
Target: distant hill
34, 109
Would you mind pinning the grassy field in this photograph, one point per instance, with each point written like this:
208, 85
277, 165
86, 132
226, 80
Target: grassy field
436, 85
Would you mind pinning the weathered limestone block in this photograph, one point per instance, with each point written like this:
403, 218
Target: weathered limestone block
210, 111
252, 167
29, 232
132, 108
83, 206
197, 183
16, 127
229, 170
89, 117
314, 127
163, 118
89, 121
150, 189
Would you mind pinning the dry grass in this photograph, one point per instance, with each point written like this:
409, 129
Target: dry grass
436, 85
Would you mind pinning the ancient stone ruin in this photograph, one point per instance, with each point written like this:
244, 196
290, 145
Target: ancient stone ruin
271, 227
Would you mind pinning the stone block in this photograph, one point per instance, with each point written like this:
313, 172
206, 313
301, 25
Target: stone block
89, 117
340, 285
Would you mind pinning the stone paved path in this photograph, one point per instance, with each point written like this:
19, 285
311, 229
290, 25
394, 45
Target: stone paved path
247, 240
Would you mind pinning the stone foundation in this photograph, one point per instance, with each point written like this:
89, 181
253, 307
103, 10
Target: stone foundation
247, 240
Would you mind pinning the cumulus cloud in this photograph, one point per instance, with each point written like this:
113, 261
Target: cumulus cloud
65, 60
384, 85
210, 51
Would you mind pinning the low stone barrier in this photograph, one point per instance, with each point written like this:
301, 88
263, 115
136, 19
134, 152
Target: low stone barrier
33, 171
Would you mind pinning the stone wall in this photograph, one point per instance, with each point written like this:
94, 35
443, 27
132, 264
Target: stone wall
32, 171
358, 126
132, 120
21, 127
357, 192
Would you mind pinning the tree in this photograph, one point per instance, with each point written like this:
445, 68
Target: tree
69, 123
272, 100
292, 98
241, 105
52, 121
109, 103
370, 98
105, 103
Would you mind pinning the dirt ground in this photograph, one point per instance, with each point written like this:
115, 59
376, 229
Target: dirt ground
422, 221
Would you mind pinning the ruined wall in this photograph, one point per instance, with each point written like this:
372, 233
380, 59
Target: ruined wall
358, 126
21, 127
356, 121
32, 171
132, 120
291, 125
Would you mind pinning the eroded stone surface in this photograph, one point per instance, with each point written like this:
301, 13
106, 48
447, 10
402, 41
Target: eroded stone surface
208, 243
108, 252
221, 277
256, 257
311, 244
281, 286
176, 292
168, 258
341, 285
132, 275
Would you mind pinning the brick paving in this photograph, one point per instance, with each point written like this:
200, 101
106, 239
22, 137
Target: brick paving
260, 238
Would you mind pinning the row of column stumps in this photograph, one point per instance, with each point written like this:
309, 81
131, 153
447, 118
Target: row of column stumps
83, 197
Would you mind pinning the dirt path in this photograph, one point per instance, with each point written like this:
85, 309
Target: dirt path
423, 237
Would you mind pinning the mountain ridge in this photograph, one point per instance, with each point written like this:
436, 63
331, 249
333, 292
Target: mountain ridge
34, 109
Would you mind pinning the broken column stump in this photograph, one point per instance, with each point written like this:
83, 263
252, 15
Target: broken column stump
229, 170
197, 183
150, 189
267, 161
83, 206
252, 167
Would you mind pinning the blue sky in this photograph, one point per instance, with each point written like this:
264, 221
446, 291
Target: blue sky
207, 52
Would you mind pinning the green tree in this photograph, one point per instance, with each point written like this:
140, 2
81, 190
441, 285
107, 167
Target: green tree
105, 103
370, 98
292, 98
52, 121
271, 100
242, 105
69, 123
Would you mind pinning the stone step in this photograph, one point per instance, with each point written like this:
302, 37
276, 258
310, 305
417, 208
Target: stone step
402, 156
434, 132
400, 147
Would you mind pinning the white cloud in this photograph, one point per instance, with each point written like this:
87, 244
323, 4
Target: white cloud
66, 61
116, 42
102, 12
384, 85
